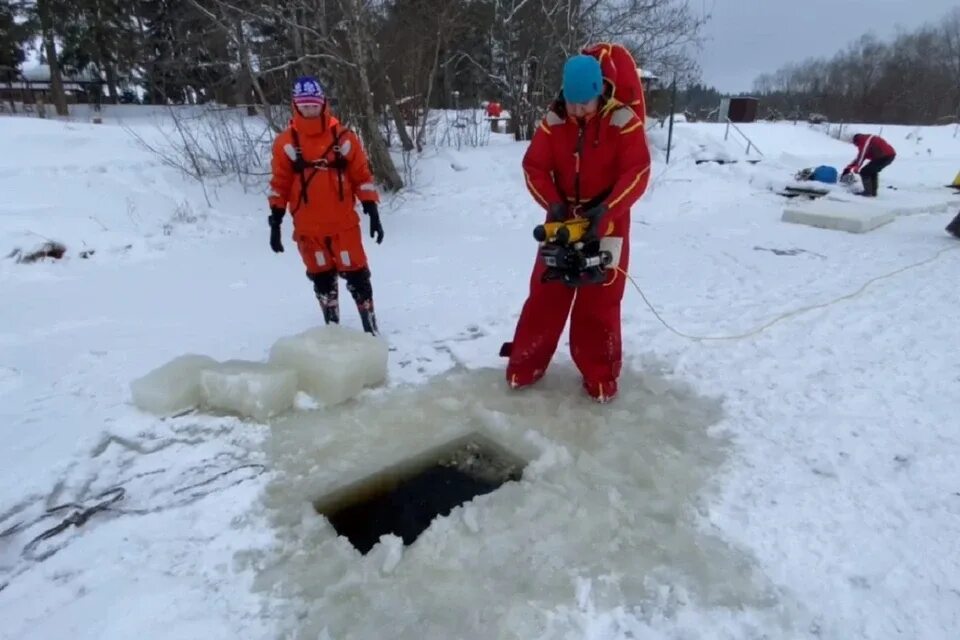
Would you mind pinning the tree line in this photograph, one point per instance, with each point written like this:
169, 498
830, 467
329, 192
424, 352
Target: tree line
912, 79
382, 60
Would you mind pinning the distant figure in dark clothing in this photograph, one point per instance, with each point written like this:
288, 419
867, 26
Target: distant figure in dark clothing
954, 227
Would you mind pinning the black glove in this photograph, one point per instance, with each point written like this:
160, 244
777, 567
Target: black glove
376, 229
275, 220
557, 212
595, 216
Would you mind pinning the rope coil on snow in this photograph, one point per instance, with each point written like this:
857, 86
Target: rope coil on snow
789, 314
104, 502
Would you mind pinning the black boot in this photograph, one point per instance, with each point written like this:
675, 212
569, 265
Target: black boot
358, 284
325, 286
954, 227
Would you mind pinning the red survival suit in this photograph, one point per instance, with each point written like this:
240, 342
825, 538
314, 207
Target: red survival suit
602, 160
869, 148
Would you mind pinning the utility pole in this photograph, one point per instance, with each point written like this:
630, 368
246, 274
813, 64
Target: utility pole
673, 107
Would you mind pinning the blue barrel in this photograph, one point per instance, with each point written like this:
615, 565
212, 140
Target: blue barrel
825, 174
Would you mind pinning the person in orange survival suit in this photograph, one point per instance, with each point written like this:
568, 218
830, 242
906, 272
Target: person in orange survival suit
319, 169
589, 158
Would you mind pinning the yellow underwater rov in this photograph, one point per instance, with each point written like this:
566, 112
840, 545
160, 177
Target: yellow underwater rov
572, 252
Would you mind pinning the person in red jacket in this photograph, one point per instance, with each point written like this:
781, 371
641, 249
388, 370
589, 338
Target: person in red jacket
319, 170
880, 154
587, 159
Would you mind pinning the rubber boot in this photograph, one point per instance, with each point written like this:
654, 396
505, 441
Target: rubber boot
358, 284
954, 227
325, 286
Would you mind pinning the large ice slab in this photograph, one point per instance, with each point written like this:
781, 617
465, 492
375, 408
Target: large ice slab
333, 363
173, 387
250, 389
842, 216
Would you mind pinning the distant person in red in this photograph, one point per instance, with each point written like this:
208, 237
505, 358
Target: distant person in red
879, 153
494, 109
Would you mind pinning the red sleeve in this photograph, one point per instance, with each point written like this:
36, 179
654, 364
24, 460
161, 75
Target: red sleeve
281, 171
633, 169
538, 167
861, 154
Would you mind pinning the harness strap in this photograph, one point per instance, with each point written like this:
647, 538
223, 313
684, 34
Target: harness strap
300, 165
338, 160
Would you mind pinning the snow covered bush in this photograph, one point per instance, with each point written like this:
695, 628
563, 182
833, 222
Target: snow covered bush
459, 128
49, 249
214, 143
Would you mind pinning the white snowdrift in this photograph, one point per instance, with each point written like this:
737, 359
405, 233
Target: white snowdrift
101, 194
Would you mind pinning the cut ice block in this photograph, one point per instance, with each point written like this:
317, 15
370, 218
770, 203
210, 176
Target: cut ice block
173, 387
250, 389
842, 216
333, 363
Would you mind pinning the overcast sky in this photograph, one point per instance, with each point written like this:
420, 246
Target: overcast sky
748, 37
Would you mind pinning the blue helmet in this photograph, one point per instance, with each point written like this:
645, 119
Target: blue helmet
582, 79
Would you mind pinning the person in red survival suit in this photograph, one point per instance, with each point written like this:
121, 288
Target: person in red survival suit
319, 170
880, 154
584, 161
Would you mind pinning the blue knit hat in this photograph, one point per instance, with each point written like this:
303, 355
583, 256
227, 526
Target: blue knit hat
582, 79
307, 90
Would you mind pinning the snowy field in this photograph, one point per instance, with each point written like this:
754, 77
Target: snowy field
799, 482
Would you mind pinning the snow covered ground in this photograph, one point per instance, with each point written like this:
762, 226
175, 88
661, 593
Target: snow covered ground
801, 482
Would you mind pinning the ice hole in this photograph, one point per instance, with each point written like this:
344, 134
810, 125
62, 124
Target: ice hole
618, 495
405, 498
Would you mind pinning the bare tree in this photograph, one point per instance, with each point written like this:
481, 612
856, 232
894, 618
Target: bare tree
950, 27
330, 37
914, 78
389, 65
50, 50
531, 40
356, 34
